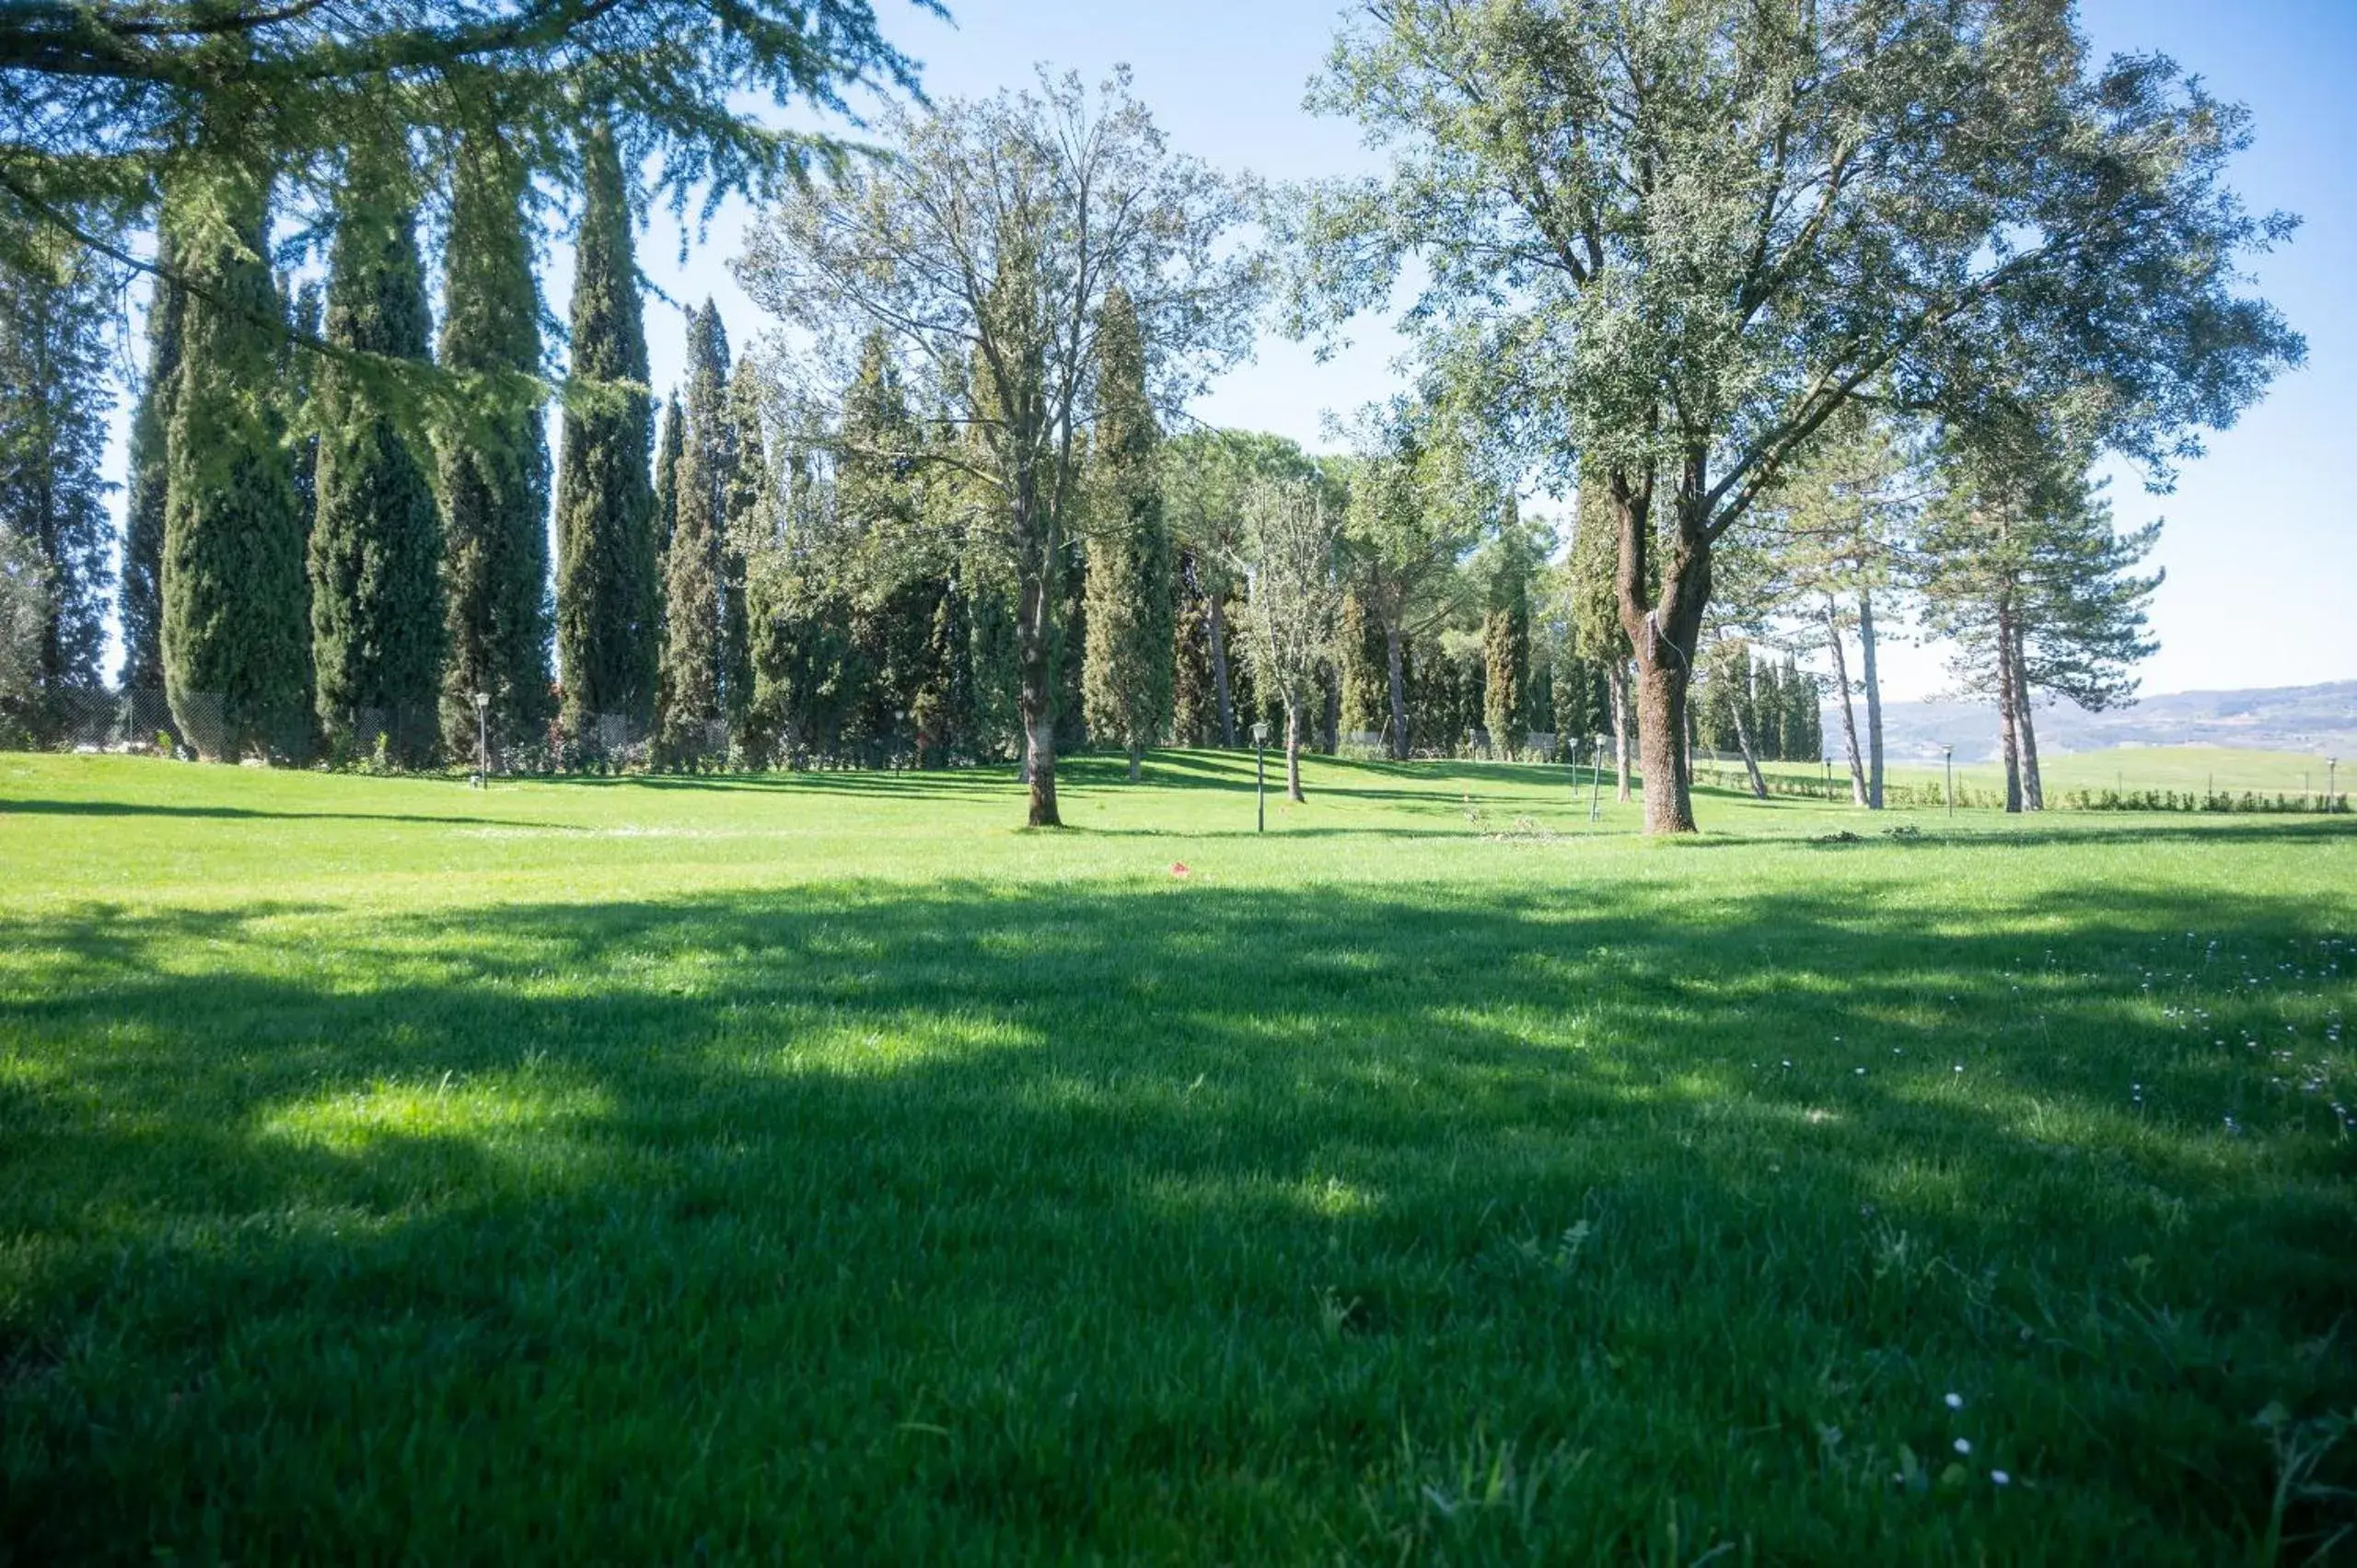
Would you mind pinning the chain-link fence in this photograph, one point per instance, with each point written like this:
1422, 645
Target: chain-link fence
93, 719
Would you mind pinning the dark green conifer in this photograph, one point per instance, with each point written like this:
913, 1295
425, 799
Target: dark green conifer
608, 593
690, 699
236, 639
375, 555
141, 604
493, 463
1127, 669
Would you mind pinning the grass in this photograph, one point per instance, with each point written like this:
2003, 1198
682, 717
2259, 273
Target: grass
2195, 768
818, 1168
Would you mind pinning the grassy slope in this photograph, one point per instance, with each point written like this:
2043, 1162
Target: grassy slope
610, 1170
2179, 768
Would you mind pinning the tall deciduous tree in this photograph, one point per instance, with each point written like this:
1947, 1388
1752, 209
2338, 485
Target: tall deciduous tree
55, 399
375, 546
493, 461
1294, 537
1510, 557
235, 633
1665, 242
987, 247
1128, 667
608, 595
1206, 475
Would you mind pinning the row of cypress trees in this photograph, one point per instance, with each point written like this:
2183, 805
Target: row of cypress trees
320, 548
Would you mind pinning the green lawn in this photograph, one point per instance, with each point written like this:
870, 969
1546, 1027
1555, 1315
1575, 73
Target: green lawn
659, 1170
2182, 769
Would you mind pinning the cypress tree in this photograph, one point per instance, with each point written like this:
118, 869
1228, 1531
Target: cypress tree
691, 698
493, 465
376, 556
608, 593
1799, 708
670, 440
747, 528
54, 397
1193, 701
141, 604
1506, 650
1127, 672
236, 639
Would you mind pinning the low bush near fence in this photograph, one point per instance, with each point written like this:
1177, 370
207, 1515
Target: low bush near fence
2206, 800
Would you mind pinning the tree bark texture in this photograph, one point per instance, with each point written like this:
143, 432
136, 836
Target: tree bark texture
1858, 788
2033, 787
2007, 728
1035, 701
1293, 724
1867, 671
1395, 660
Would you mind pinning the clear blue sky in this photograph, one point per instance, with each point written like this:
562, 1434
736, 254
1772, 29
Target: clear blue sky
2261, 554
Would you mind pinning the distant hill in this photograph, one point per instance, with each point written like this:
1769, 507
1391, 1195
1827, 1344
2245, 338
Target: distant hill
2321, 719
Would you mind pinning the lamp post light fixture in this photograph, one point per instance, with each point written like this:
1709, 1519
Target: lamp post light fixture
483, 740
1261, 774
1951, 770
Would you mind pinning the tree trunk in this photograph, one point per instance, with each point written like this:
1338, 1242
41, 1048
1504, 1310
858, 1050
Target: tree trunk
1330, 725
1137, 760
1616, 683
1396, 657
1292, 749
1858, 789
1217, 622
1661, 724
1750, 756
1035, 701
2033, 787
1867, 671
2007, 729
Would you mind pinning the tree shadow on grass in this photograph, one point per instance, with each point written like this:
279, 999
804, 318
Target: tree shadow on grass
1191, 1222
19, 806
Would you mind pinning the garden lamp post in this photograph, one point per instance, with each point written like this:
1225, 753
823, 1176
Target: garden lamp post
483, 740
1261, 774
1951, 771
2331, 767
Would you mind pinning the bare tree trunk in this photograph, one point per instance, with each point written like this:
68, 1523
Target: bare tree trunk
1035, 701
1137, 760
1858, 792
1396, 657
1616, 684
2033, 787
1750, 756
1216, 622
2007, 729
1866, 669
1292, 749
1661, 723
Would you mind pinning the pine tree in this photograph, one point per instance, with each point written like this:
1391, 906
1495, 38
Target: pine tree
141, 604
236, 635
608, 593
375, 555
692, 698
1127, 679
493, 465
1365, 651
54, 397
